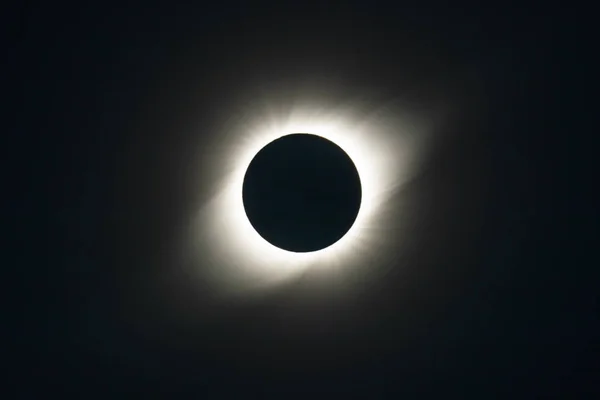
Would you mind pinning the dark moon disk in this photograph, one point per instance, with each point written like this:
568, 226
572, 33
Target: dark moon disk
302, 193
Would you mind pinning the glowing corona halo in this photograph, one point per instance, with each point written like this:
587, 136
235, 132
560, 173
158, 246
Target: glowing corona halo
385, 148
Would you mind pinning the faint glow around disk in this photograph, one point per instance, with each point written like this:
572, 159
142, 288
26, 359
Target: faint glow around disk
381, 153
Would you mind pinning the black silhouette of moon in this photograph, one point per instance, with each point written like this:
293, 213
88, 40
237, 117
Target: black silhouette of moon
302, 192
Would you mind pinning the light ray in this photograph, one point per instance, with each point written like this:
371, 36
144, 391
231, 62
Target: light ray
385, 147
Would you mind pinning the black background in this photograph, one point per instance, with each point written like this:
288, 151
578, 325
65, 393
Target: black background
99, 164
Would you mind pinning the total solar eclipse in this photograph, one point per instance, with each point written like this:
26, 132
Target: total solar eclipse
301, 193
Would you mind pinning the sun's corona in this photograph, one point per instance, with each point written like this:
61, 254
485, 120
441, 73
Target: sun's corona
383, 149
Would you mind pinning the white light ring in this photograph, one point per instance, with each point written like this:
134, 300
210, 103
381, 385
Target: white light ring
385, 147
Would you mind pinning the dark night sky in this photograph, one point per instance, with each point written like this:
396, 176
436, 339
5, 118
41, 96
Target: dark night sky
501, 294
